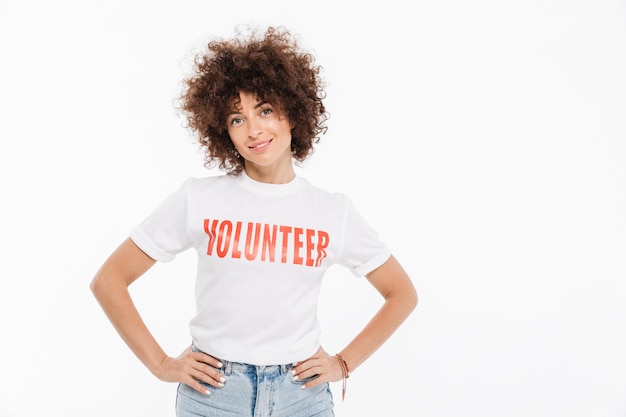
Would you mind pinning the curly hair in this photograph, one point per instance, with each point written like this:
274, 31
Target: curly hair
270, 65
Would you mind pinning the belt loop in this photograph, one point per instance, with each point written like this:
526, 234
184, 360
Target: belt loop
228, 367
286, 369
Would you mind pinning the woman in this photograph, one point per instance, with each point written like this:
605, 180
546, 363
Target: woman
264, 238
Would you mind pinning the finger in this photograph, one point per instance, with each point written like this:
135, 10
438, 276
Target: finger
316, 381
208, 359
311, 367
317, 356
306, 365
198, 386
307, 373
208, 374
216, 380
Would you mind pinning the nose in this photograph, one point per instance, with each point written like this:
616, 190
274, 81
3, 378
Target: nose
254, 128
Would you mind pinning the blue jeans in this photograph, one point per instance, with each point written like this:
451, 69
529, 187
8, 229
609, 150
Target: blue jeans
256, 391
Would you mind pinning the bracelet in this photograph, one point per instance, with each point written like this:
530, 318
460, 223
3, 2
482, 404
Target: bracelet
346, 374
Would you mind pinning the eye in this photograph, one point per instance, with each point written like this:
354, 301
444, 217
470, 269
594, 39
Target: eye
235, 121
266, 111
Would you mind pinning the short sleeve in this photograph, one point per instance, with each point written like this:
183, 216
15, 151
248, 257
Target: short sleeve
164, 233
362, 250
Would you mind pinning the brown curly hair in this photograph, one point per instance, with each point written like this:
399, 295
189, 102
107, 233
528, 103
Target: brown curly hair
270, 65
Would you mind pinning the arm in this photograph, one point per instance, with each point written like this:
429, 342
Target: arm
395, 286
393, 283
110, 287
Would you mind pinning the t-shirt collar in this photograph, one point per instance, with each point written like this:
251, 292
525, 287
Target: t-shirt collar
258, 187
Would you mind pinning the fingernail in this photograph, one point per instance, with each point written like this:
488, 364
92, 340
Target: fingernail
220, 365
207, 392
293, 372
222, 379
302, 386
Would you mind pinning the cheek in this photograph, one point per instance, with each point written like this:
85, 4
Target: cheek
281, 127
235, 136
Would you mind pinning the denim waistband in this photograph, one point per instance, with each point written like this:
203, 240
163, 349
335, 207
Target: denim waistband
228, 367
245, 368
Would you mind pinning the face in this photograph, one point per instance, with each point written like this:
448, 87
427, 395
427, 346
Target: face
261, 134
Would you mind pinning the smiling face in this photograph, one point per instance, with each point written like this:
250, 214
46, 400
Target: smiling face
261, 134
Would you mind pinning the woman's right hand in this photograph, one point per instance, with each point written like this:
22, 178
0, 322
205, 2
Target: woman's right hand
190, 368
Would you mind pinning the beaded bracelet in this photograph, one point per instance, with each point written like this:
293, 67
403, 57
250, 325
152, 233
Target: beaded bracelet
346, 374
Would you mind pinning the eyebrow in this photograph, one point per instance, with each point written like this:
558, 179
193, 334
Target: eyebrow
259, 104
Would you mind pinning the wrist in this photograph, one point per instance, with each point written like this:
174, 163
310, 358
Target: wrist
158, 366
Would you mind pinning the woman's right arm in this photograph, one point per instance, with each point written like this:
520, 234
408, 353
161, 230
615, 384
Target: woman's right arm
110, 287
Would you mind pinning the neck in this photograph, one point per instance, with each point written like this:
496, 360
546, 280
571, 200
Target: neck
270, 176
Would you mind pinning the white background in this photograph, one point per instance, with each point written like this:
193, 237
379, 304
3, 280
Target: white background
485, 140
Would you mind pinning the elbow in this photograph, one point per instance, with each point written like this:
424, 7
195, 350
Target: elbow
412, 300
98, 286
406, 299
107, 285
94, 286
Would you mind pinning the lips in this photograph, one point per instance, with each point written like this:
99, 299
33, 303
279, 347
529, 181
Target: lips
260, 146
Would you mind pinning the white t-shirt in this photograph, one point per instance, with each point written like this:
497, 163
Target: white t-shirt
262, 252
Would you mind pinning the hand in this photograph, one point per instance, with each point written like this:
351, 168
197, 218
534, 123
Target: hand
189, 368
322, 364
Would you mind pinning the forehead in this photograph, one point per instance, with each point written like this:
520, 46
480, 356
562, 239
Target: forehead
235, 102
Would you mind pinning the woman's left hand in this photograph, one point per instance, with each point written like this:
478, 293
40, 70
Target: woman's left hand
322, 364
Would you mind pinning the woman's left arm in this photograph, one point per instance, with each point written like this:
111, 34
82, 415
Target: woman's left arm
394, 284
